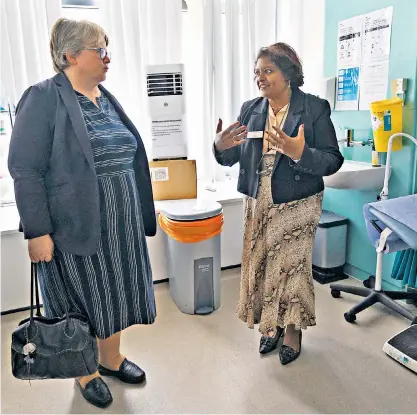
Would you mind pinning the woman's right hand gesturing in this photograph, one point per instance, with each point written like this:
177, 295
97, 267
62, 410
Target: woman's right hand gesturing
231, 137
41, 249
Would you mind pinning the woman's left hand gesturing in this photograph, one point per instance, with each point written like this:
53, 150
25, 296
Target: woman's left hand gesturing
292, 147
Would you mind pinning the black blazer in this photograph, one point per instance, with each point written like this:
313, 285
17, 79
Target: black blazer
290, 181
51, 162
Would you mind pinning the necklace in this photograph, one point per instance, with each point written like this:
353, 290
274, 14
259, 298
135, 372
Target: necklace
276, 111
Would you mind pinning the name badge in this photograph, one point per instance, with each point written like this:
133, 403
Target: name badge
255, 134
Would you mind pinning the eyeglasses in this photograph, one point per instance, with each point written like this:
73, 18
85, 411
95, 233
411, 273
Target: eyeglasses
102, 52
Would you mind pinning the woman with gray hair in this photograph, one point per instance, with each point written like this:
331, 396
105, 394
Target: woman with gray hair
85, 200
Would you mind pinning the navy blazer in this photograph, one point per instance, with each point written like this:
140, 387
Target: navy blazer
290, 181
51, 162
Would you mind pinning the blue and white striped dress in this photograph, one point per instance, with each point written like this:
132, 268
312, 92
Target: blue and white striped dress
114, 286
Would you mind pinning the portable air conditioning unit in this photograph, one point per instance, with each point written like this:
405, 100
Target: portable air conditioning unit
167, 111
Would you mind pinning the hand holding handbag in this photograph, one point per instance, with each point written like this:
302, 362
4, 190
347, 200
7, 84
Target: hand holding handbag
53, 348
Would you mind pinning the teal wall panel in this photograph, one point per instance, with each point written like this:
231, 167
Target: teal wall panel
361, 255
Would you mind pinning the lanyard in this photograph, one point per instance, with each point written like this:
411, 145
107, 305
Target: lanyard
284, 117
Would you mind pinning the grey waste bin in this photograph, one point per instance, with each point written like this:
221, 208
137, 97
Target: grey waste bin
194, 269
329, 250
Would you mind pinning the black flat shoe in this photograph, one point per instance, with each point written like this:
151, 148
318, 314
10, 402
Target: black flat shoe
96, 392
287, 354
128, 372
269, 344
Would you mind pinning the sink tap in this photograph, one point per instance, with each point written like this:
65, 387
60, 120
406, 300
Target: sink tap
350, 142
348, 136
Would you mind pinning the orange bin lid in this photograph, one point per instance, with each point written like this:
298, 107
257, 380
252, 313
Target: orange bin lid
191, 231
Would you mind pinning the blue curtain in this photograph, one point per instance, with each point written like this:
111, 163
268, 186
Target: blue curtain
405, 268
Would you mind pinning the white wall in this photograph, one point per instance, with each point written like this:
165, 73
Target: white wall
300, 23
289, 23
313, 45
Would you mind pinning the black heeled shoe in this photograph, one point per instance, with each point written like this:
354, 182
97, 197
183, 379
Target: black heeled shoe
269, 344
128, 372
96, 392
287, 354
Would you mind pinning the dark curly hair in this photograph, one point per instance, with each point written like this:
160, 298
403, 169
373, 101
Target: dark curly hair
285, 58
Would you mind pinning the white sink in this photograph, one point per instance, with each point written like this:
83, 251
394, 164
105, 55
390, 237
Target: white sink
356, 175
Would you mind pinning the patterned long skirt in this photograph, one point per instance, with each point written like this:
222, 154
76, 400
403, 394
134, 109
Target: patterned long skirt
276, 287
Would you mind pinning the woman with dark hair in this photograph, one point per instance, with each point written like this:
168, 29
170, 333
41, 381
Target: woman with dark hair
285, 143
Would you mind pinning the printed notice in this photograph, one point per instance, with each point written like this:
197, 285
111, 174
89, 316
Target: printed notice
347, 97
349, 53
349, 48
376, 43
364, 46
376, 48
167, 129
373, 84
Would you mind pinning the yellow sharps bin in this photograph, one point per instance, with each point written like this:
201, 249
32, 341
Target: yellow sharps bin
387, 119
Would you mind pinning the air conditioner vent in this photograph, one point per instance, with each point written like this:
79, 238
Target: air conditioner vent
162, 84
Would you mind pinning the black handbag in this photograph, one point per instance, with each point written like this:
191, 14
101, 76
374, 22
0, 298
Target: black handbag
53, 348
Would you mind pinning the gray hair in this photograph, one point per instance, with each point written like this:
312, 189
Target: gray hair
72, 36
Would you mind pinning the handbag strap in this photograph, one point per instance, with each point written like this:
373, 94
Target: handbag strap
38, 307
34, 286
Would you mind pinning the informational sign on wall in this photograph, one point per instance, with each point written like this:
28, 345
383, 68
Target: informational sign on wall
364, 44
376, 48
348, 88
349, 52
